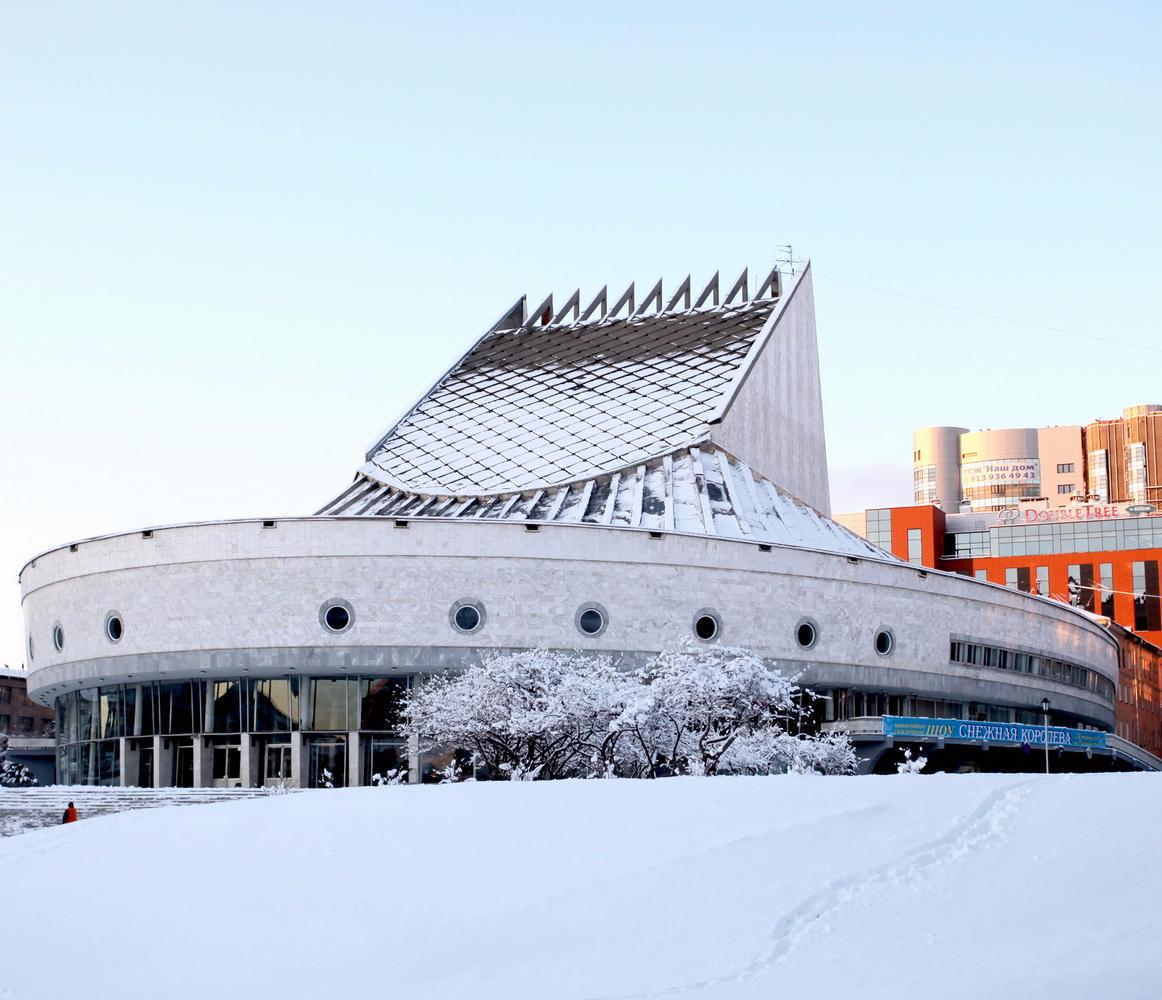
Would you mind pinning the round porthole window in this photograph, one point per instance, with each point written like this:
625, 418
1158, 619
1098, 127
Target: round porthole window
707, 625
591, 619
114, 628
31, 654
885, 641
336, 616
467, 616
806, 633
58, 638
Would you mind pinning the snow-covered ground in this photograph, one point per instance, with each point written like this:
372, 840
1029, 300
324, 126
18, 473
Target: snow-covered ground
903, 886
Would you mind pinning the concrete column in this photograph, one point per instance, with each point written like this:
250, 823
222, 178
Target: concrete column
129, 762
414, 760
244, 766
298, 777
354, 771
203, 762
162, 764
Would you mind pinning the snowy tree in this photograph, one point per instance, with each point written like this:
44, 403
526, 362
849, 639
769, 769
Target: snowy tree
526, 715
911, 766
694, 702
14, 775
539, 714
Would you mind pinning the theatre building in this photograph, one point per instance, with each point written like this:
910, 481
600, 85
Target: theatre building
1101, 558
607, 476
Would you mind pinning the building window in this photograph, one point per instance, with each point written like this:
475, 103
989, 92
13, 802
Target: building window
467, 616
1147, 604
707, 625
58, 637
1042, 581
1080, 585
885, 642
924, 484
1107, 589
336, 615
113, 627
1066, 489
1064, 468
1011, 577
915, 546
1136, 472
981, 574
5, 695
806, 633
1099, 474
879, 528
591, 619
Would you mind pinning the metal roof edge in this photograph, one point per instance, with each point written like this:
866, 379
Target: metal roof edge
520, 304
756, 348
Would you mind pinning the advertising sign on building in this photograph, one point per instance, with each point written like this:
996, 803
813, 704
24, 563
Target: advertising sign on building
920, 729
1001, 472
1028, 514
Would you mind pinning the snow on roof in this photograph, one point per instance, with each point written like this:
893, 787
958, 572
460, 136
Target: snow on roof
693, 490
544, 403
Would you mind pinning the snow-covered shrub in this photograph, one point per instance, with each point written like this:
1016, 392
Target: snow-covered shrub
770, 751
910, 766
14, 775
392, 776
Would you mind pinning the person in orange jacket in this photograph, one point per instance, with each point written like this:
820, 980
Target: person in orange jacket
70, 814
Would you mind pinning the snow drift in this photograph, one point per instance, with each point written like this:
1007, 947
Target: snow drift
727, 888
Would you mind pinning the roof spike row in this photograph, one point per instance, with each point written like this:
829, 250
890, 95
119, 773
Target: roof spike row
600, 299
711, 286
655, 295
574, 303
683, 293
626, 300
736, 288
543, 314
773, 283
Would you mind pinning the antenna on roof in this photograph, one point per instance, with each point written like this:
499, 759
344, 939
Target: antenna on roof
682, 292
711, 286
574, 303
600, 299
655, 295
786, 256
738, 286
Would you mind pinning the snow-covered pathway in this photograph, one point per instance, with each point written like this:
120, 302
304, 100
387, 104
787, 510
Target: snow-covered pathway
604, 890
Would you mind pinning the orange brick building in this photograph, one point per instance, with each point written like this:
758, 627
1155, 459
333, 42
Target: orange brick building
1102, 558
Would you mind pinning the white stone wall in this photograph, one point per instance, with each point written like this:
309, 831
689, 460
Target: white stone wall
775, 423
202, 599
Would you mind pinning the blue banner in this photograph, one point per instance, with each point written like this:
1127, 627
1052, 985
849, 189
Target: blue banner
926, 730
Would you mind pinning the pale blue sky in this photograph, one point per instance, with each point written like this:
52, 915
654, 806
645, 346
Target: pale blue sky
237, 239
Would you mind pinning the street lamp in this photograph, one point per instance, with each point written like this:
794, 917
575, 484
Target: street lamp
1045, 711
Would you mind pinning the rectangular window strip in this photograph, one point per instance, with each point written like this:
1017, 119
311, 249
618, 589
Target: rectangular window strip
979, 654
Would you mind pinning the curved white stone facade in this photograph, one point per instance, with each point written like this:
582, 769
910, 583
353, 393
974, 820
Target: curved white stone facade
238, 598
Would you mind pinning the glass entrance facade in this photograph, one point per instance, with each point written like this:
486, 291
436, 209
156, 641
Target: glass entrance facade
234, 732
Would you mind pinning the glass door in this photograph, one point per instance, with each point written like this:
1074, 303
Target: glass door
326, 761
277, 764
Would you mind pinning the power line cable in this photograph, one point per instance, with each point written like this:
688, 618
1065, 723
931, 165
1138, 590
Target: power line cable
994, 316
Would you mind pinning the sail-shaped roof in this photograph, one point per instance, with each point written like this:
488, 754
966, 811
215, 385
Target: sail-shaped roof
602, 417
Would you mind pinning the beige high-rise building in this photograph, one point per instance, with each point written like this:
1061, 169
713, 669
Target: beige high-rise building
1111, 461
